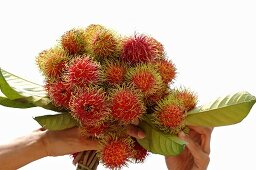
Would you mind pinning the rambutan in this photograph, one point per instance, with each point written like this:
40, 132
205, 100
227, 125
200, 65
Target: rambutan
188, 98
169, 114
74, 42
95, 129
105, 44
156, 97
84, 71
166, 69
52, 62
59, 93
158, 47
145, 78
116, 152
139, 154
139, 48
89, 106
126, 104
115, 72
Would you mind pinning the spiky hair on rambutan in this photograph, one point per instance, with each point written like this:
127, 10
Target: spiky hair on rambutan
139, 154
52, 62
84, 71
116, 152
166, 69
74, 42
140, 49
145, 78
187, 97
114, 72
126, 104
169, 114
105, 44
89, 106
59, 92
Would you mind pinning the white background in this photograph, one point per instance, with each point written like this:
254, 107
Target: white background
212, 43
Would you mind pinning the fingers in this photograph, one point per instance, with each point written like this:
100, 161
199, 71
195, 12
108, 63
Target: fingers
136, 132
205, 133
201, 158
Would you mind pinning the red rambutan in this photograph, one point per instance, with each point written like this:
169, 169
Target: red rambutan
115, 73
166, 69
95, 129
145, 78
139, 48
89, 106
126, 104
84, 71
115, 153
139, 153
59, 93
74, 42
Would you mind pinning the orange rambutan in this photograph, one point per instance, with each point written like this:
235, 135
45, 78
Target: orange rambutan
166, 69
89, 106
104, 44
95, 129
84, 71
139, 48
188, 98
116, 152
74, 42
145, 78
59, 92
115, 72
126, 104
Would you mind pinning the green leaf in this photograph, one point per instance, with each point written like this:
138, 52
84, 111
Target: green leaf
57, 122
14, 103
29, 93
224, 111
158, 142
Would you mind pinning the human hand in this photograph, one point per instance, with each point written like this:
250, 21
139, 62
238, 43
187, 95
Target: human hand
68, 141
197, 151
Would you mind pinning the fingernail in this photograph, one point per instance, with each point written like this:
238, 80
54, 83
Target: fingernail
141, 135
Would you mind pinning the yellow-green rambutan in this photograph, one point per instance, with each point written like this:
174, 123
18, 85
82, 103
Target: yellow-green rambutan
74, 42
187, 97
52, 63
145, 78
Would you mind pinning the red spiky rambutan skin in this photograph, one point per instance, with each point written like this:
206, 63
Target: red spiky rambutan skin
166, 69
126, 104
89, 106
158, 47
84, 71
115, 72
139, 48
74, 42
59, 93
52, 63
188, 98
145, 78
95, 129
139, 153
105, 44
169, 114
116, 152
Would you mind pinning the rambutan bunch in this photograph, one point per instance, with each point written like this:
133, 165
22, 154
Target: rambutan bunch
107, 81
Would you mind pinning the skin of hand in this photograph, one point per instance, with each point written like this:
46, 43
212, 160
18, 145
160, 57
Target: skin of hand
42, 143
196, 153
